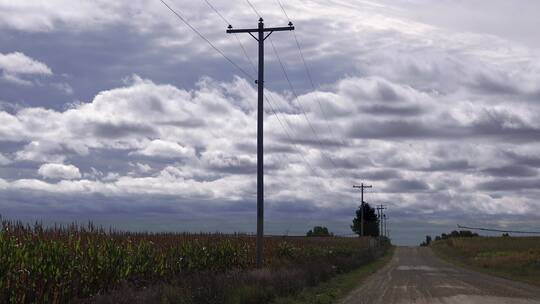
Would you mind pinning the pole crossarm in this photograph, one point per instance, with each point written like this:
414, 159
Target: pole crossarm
362, 187
256, 30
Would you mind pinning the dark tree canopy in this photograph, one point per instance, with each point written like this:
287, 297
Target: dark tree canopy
371, 222
319, 231
427, 242
456, 234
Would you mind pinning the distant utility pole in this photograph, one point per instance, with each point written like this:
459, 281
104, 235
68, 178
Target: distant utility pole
385, 227
380, 212
261, 30
362, 187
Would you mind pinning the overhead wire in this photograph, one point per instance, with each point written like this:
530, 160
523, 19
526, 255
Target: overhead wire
310, 78
285, 73
498, 230
290, 138
293, 91
206, 39
217, 12
235, 34
177, 14
272, 108
254, 9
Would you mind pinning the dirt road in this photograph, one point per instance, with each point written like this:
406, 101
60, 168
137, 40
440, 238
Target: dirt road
416, 275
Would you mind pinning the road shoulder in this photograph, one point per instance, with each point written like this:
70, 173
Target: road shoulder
339, 286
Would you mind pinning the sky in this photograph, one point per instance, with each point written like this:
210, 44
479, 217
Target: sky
118, 113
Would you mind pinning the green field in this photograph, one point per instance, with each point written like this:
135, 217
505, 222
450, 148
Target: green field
516, 258
88, 264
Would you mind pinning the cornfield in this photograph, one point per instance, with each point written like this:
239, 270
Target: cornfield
58, 264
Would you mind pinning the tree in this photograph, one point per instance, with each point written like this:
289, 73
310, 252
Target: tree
457, 234
371, 222
319, 231
427, 241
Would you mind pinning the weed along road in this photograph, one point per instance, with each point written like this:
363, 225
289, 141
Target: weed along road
416, 275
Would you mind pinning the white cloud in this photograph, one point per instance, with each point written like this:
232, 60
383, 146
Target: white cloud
421, 108
15, 65
143, 167
165, 149
59, 171
42, 151
63, 87
211, 136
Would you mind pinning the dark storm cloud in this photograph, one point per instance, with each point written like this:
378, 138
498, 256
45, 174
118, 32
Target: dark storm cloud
491, 85
511, 171
191, 122
524, 160
329, 161
119, 130
249, 147
277, 148
299, 207
395, 129
233, 165
313, 140
404, 186
401, 129
408, 110
377, 174
508, 184
451, 165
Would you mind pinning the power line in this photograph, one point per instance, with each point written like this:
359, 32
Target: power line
245, 53
235, 35
294, 91
217, 12
298, 100
254, 9
310, 78
499, 230
265, 95
290, 138
207, 41
283, 9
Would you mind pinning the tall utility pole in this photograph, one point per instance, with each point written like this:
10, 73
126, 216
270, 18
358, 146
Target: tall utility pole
380, 211
385, 227
261, 30
362, 187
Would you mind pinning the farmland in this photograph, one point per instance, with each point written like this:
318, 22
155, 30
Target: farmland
91, 265
515, 258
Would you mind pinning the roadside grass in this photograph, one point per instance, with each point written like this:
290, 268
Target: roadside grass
515, 258
338, 287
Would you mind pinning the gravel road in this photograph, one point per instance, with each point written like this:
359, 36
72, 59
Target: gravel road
416, 275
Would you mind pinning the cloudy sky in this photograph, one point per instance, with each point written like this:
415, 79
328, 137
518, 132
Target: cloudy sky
116, 112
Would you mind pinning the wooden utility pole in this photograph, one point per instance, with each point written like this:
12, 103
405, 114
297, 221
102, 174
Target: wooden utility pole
261, 30
362, 187
380, 211
385, 227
